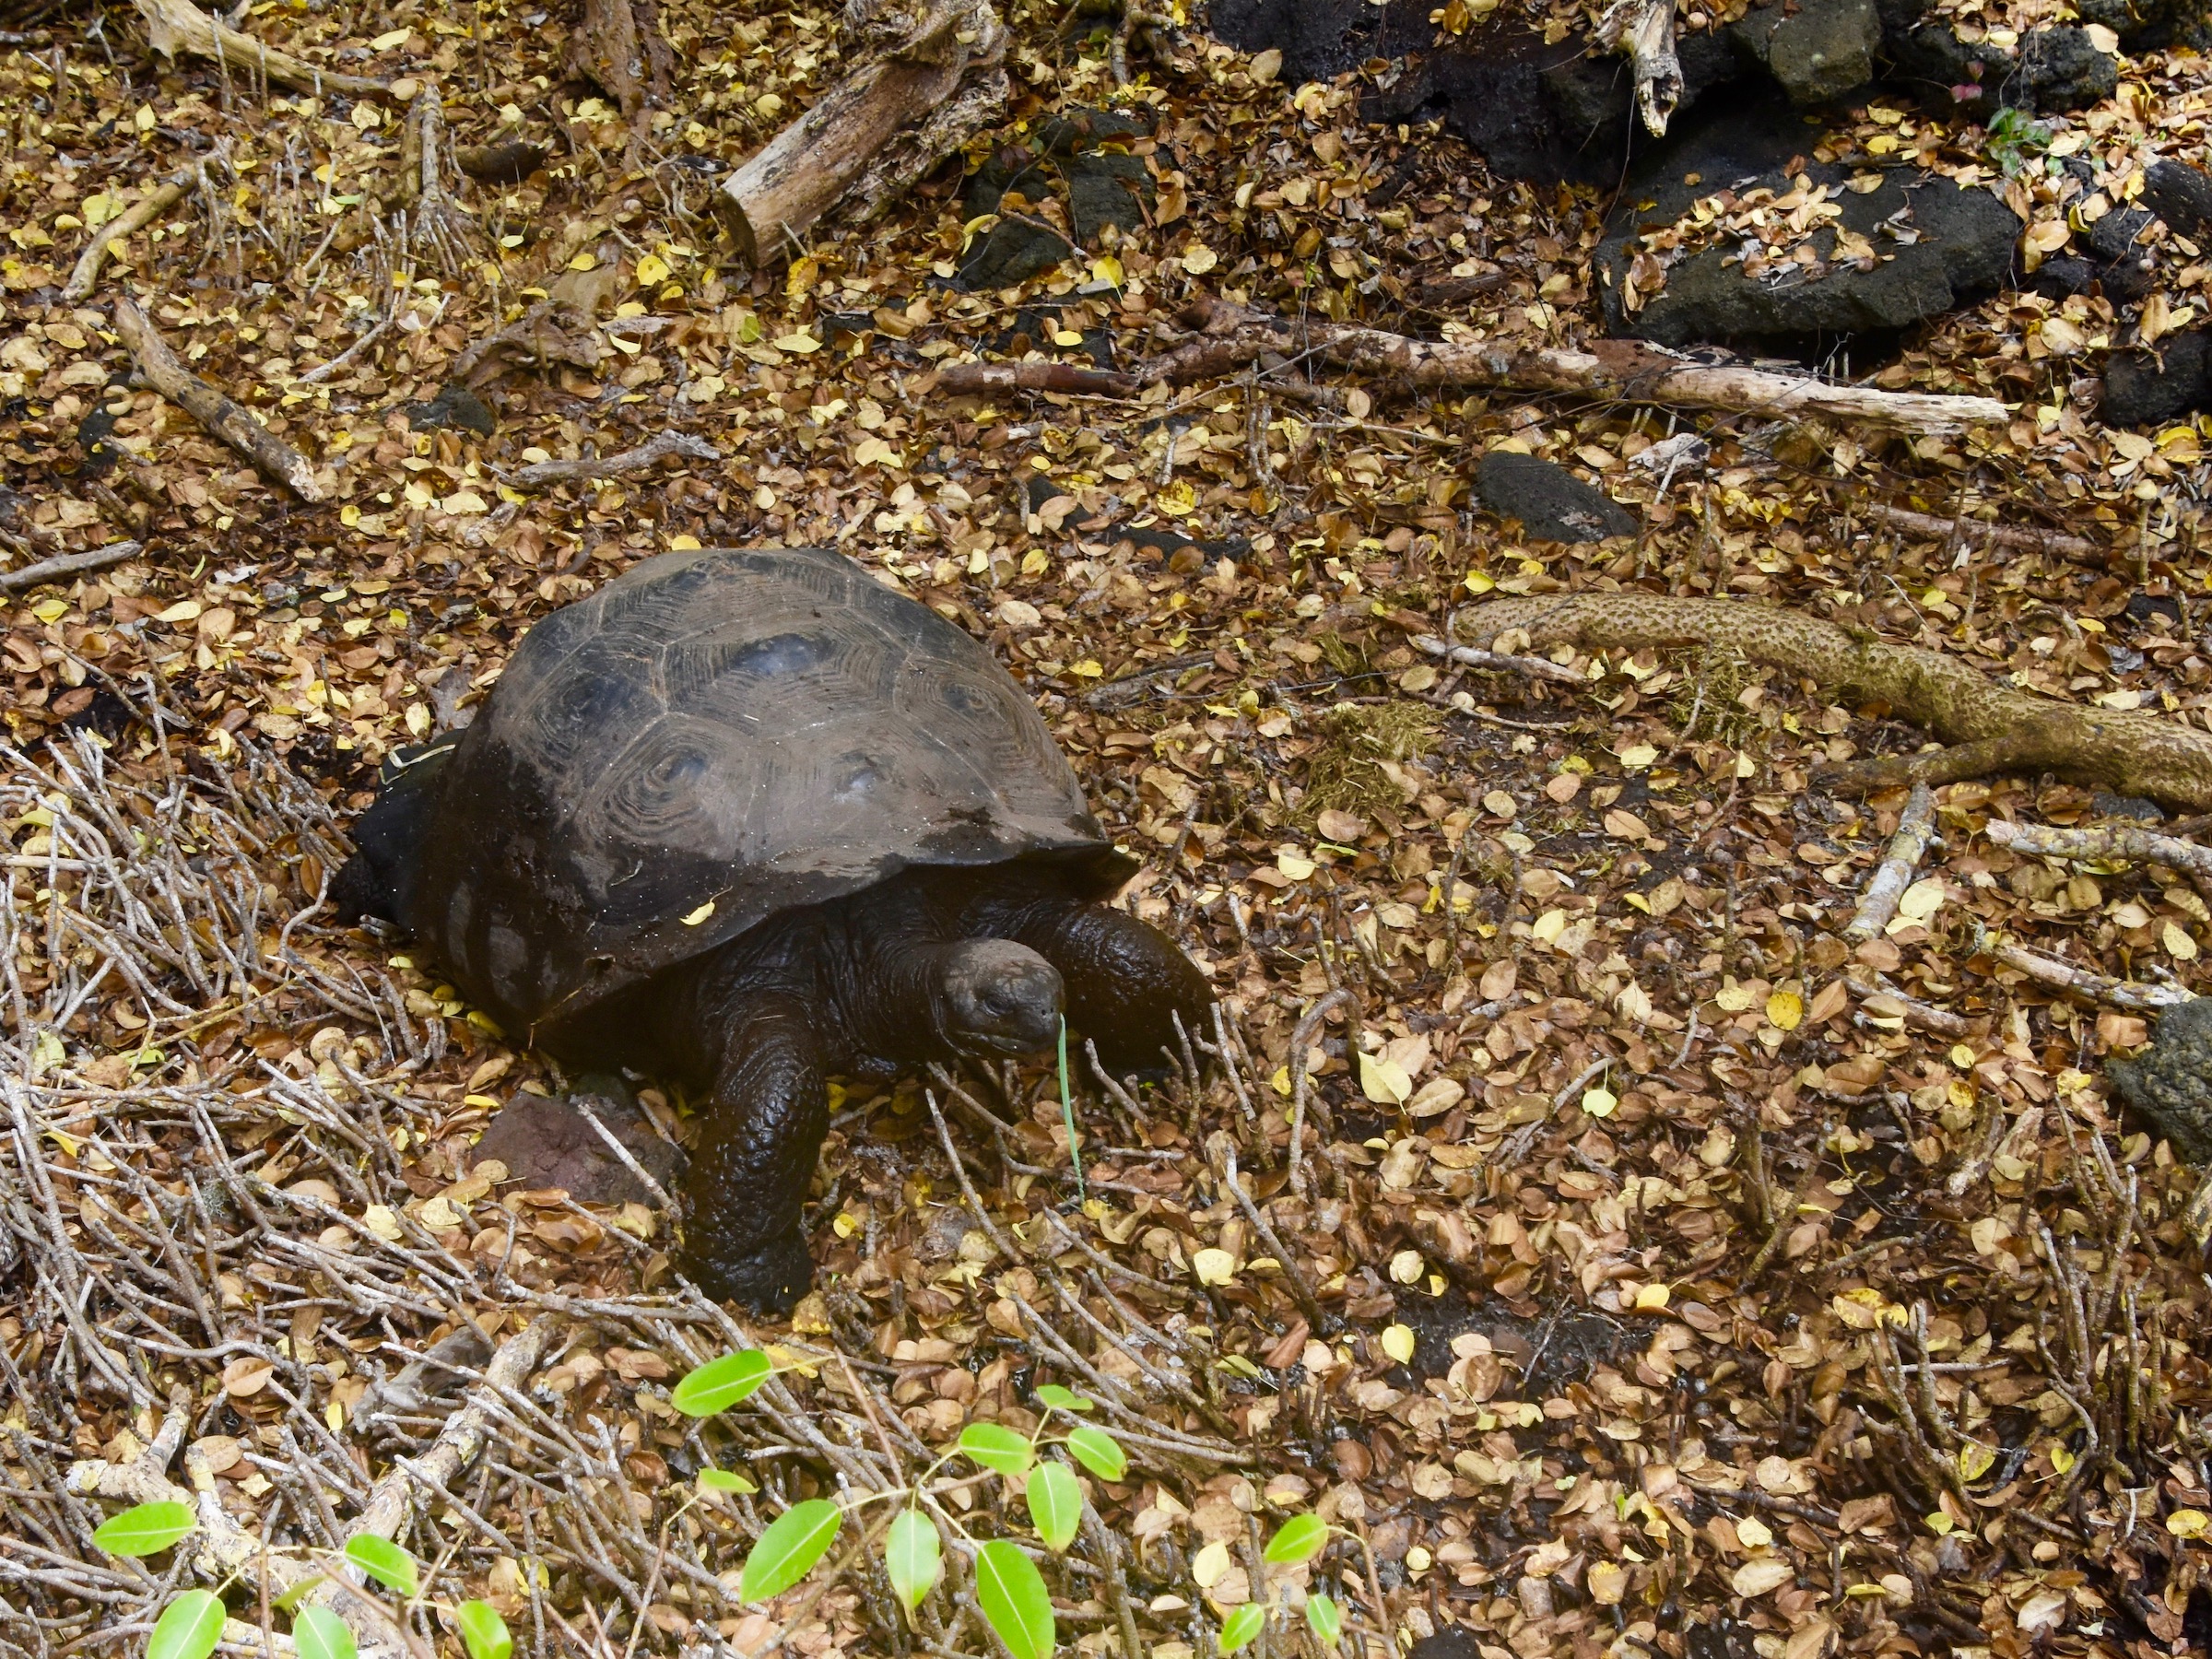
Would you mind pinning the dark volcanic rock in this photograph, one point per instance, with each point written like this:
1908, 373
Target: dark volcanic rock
1551, 502
1961, 245
1817, 50
2180, 195
2169, 1083
2143, 388
1105, 187
2052, 70
2145, 24
1012, 251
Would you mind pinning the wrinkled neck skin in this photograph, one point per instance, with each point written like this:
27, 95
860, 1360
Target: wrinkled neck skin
872, 970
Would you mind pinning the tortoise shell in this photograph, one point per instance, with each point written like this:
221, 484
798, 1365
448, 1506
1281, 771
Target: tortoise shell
711, 738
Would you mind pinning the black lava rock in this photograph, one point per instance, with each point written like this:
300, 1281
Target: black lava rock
2169, 1083
456, 406
1012, 251
1104, 187
2180, 195
1949, 245
2148, 388
1551, 502
1817, 50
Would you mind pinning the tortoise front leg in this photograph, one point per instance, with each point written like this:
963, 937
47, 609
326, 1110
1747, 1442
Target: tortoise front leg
756, 1155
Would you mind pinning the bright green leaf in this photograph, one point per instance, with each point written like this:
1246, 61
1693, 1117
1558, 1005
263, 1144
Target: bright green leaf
721, 1383
1298, 1539
913, 1556
1242, 1624
1012, 1594
1327, 1622
1099, 1452
382, 1561
319, 1634
1063, 1400
787, 1551
143, 1531
483, 1632
997, 1447
189, 1627
1055, 1504
722, 1480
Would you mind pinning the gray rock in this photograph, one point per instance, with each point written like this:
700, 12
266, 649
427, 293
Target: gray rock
1961, 246
1012, 251
1817, 50
1551, 502
2143, 388
548, 1142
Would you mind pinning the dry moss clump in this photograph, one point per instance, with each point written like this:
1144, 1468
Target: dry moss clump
1344, 770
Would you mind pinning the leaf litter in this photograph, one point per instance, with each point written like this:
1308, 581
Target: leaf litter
1747, 1312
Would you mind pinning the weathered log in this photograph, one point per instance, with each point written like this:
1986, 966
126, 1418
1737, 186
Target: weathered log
68, 564
174, 26
1644, 31
874, 134
1630, 370
2024, 538
1990, 728
956, 379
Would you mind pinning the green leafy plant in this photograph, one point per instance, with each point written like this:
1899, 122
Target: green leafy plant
192, 1624
1009, 1590
2016, 139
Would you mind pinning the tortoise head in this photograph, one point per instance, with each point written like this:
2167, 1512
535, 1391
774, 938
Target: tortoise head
998, 997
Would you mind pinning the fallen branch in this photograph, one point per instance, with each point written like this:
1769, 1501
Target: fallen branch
174, 26
955, 380
121, 228
2110, 842
432, 224
1644, 31
1467, 656
68, 564
2022, 538
1628, 370
2090, 986
1915, 826
876, 132
237, 426
618, 47
1881, 1000
644, 458
1990, 728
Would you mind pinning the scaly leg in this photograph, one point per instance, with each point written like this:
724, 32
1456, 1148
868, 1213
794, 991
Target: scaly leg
755, 1159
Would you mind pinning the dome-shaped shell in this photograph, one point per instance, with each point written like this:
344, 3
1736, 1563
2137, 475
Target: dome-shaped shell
713, 738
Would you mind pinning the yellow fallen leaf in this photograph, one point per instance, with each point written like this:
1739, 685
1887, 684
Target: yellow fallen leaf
379, 1219
1383, 1081
1211, 1565
1606, 1581
1406, 1268
1294, 865
1213, 1267
800, 341
651, 269
694, 918
1198, 259
2179, 944
1653, 1298
1785, 1010
2188, 1523
1600, 1103
1397, 1342
1758, 1576
1753, 1533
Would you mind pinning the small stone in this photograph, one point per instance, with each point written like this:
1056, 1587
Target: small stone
455, 407
1551, 502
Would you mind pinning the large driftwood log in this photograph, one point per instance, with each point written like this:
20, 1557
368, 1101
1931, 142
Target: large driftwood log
1231, 337
174, 26
1990, 728
875, 133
